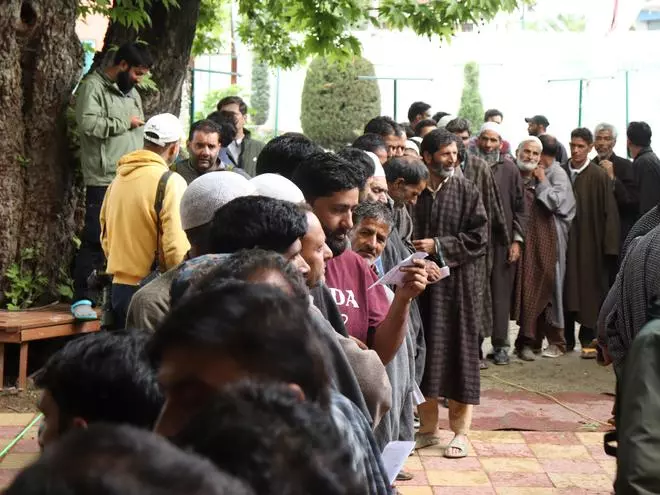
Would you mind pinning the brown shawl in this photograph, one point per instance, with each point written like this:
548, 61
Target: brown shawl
536, 270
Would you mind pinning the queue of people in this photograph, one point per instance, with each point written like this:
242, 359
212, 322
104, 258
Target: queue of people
251, 327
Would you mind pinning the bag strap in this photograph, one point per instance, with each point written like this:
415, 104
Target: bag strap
158, 206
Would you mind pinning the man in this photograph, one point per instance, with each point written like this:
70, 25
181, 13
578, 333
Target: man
423, 127
439, 115
391, 132
196, 360
129, 234
109, 118
331, 186
375, 187
460, 128
373, 223
538, 126
450, 225
646, 165
621, 173
593, 243
510, 185
200, 201
99, 378
373, 143
107, 459
417, 112
538, 297
494, 115
283, 154
244, 150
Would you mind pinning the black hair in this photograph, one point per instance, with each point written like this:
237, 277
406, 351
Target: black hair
103, 377
417, 108
493, 112
233, 100
383, 126
265, 434
199, 237
412, 170
438, 115
370, 142
120, 460
207, 126
256, 222
437, 139
227, 123
325, 174
283, 154
458, 125
135, 55
359, 157
584, 134
373, 209
265, 331
550, 145
639, 134
424, 123
462, 150
246, 264
407, 128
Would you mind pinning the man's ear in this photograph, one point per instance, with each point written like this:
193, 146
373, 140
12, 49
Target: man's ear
427, 157
78, 422
297, 390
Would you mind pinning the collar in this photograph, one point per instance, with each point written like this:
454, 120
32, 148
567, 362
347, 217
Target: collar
578, 171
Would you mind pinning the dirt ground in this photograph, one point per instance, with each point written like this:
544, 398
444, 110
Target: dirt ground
568, 373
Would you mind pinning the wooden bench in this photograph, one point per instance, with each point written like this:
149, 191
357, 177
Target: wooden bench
23, 327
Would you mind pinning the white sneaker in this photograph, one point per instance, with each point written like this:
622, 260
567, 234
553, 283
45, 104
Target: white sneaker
552, 351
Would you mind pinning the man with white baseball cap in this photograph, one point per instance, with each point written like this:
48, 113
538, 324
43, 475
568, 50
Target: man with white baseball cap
141, 229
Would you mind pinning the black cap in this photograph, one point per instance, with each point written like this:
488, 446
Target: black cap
538, 120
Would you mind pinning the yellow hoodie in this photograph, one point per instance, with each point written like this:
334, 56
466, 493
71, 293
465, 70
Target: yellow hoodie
128, 218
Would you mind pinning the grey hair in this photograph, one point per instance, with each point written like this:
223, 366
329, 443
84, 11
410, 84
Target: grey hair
372, 209
603, 126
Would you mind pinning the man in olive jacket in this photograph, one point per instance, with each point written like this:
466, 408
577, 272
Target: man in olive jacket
244, 150
109, 119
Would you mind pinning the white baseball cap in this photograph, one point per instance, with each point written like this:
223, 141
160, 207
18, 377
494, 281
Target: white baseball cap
163, 129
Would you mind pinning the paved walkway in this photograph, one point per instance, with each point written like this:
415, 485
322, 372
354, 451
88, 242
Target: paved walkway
500, 462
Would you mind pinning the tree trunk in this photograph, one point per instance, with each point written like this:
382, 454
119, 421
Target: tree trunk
170, 37
40, 63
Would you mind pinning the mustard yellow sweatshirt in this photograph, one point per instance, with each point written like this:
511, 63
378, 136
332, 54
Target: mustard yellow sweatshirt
128, 219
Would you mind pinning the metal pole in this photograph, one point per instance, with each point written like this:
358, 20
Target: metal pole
627, 98
580, 103
192, 93
395, 96
277, 102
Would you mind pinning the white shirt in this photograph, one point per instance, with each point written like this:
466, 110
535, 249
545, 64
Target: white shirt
235, 149
577, 171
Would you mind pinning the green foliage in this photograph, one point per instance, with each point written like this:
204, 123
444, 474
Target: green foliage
471, 106
129, 13
260, 99
210, 102
26, 283
213, 17
336, 105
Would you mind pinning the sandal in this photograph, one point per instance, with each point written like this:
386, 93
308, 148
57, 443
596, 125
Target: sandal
423, 440
457, 443
589, 353
404, 476
82, 310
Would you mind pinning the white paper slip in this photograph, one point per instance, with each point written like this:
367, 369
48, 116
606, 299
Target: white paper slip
418, 396
394, 457
395, 276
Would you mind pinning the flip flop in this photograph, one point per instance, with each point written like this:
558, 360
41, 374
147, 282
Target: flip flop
461, 445
589, 353
423, 440
83, 311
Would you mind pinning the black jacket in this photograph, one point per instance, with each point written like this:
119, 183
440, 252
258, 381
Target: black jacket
646, 167
625, 192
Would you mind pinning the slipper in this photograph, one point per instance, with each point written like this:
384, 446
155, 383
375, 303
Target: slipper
404, 476
589, 353
461, 445
82, 310
423, 440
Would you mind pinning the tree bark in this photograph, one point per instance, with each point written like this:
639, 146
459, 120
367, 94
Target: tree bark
170, 37
40, 64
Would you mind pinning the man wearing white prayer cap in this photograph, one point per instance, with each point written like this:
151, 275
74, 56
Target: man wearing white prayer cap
277, 186
377, 184
442, 123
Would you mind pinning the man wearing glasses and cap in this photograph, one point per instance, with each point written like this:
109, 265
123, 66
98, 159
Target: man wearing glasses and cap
538, 126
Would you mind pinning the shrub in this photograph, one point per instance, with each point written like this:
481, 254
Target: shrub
336, 105
471, 106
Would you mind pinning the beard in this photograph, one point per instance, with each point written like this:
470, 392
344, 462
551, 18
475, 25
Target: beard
526, 166
337, 241
203, 164
125, 82
491, 157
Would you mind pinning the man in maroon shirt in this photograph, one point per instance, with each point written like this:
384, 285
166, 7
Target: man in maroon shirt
331, 185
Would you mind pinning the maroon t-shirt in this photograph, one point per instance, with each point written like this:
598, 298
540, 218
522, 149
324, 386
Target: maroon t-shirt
348, 277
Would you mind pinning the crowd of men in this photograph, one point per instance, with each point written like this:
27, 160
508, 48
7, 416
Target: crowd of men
250, 325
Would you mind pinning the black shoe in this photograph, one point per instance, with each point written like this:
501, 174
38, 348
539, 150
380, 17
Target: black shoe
501, 357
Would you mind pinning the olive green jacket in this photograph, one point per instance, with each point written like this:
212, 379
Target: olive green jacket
103, 118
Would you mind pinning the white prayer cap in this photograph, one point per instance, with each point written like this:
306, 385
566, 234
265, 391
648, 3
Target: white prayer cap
491, 126
531, 139
412, 145
277, 187
208, 193
379, 171
418, 140
442, 123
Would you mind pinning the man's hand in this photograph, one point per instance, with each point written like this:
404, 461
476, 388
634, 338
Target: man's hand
539, 173
514, 252
433, 271
425, 246
359, 343
607, 359
608, 166
136, 122
414, 280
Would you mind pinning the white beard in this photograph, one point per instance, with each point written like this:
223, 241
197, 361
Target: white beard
526, 166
